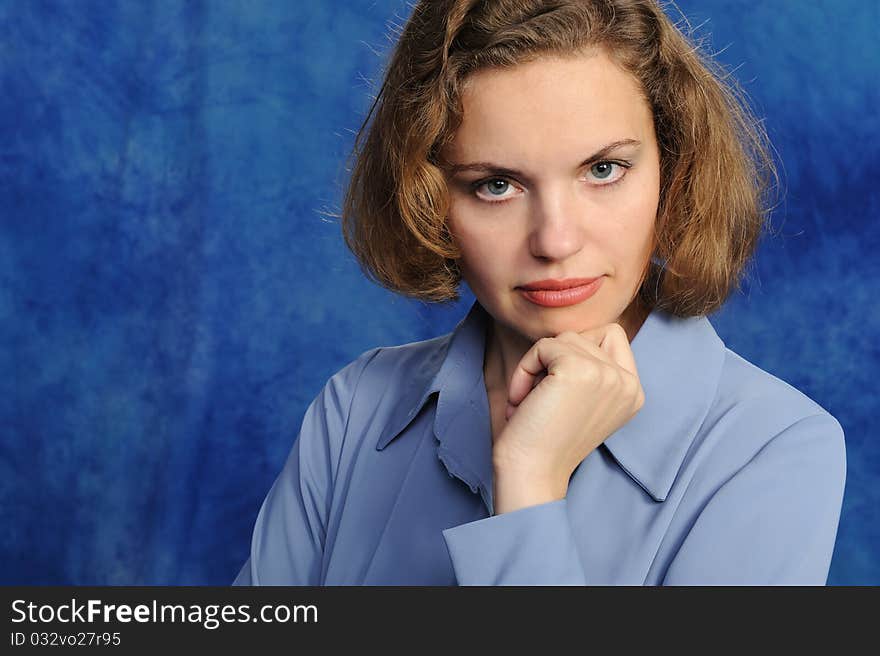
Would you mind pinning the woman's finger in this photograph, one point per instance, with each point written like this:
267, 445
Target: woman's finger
616, 345
542, 355
587, 344
613, 342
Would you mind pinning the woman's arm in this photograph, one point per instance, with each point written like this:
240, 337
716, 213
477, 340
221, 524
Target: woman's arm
288, 540
529, 546
772, 523
775, 521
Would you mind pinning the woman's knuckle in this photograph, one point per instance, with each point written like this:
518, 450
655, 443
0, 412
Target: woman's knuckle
569, 337
630, 383
618, 329
639, 394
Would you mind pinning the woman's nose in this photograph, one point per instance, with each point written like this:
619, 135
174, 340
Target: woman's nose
557, 226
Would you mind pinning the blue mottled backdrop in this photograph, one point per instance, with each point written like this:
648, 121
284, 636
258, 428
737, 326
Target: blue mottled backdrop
173, 292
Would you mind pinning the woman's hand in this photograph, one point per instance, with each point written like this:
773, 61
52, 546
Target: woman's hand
566, 396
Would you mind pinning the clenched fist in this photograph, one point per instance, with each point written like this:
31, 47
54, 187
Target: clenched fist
566, 396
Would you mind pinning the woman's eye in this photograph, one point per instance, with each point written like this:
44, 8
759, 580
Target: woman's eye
496, 189
607, 171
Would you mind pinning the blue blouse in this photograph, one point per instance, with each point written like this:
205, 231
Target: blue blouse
726, 476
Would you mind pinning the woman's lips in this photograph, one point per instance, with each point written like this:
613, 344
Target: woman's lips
561, 297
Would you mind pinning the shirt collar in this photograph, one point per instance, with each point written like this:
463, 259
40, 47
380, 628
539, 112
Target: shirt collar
679, 362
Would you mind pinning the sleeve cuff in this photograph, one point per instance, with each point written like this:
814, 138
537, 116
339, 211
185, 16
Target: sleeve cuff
529, 546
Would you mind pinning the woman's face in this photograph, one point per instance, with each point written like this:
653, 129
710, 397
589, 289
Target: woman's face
554, 173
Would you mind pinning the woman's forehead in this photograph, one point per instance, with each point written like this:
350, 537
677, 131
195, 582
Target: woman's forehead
550, 104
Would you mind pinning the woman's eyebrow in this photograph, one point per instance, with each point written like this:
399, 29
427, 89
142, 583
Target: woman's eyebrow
502, 170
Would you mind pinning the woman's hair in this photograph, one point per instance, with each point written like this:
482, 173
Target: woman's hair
715, 168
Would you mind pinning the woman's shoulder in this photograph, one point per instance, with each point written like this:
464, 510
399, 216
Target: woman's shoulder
383, 380
759, 411
395, 363
375, 391
743, 383
701, 388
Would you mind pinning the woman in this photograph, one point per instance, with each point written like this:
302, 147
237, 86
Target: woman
600, 190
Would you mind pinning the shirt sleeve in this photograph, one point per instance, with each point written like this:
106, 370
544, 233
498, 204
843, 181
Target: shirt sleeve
288, 538
528, 546
775, 521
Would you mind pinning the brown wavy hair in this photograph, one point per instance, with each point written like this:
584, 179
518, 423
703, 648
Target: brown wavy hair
715, 166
